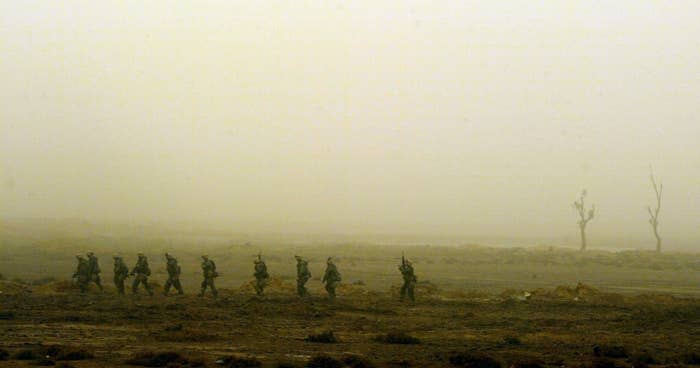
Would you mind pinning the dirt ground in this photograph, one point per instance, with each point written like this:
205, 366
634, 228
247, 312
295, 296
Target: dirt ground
477, 306
565, 326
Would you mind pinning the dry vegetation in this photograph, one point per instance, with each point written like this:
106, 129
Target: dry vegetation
477, 307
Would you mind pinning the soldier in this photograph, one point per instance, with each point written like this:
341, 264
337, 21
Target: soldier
261, 275
409, 279
121, 272
173, 275
94, 267
303, 275
331, 278
141, 271
209, 272
82, 273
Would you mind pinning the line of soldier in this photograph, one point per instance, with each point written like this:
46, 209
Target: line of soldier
88, 270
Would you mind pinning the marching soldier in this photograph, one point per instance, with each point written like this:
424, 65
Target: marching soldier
409, 279
209, 273
261, 275
303, 275
94, 270
173, 275
331, 278
82, 273
121, 272
141, 271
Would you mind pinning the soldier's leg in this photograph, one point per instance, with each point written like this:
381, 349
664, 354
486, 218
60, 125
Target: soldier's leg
83, 284
304, 290
213, 288
411, 289
203, 287
300, 287
120, 289
178, 286
98, 281
166, 287
403, 290
147, 287
135, 285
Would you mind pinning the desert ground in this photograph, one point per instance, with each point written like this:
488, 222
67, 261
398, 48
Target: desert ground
476, 307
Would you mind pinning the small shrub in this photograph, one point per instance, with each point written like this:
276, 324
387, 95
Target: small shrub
691, 359
357, 361
401, 338
43, 281
403, 363
160, 359
176, 327
642, 359
79, 354
45, 362
64, 365
324, 361
7, 315
197, 362
327, 337
527, 364
610, 351
512, 340
286, 365
469, 360
4, 354
185, 335
239, 362
603, 362
51, 350
26, 354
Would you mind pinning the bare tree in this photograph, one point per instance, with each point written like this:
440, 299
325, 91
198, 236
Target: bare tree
654, 213
584, 216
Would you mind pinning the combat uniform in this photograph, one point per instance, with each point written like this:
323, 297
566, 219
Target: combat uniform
303, 275
82, 273
261, 276
409, 281
94, 267
173, 275
209, 273
141, 272
331, 278
121, 272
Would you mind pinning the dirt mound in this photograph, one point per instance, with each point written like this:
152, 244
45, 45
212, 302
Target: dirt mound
352, 290
514, 294
9, 287
63, 286
274, 284
580, 292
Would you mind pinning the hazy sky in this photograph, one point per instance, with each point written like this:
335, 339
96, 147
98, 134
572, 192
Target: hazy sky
451, 117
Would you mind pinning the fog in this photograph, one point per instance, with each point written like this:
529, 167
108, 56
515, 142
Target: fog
464, 118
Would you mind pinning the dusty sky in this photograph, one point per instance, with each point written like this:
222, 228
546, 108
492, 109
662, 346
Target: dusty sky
462, 117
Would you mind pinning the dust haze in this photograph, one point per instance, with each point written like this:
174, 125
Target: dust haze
474, 120
328, 184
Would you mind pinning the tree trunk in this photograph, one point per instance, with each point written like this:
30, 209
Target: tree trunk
658, 239
583, 238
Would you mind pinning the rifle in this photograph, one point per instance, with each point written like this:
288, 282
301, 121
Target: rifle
403, 259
